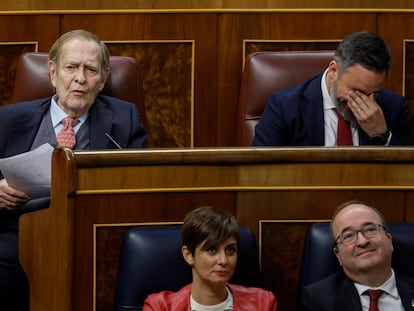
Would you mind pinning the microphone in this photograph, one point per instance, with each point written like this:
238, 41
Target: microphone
113, 140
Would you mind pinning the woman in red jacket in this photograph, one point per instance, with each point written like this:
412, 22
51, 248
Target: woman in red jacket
209, 245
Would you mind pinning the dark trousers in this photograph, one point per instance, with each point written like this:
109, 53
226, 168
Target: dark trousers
14, 286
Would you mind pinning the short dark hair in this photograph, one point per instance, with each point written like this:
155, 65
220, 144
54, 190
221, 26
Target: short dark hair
366, 49
208, 224
346, 204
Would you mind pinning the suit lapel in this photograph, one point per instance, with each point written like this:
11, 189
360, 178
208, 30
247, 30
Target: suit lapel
25, 129
349, 297
100, 123
312, 112
406, 291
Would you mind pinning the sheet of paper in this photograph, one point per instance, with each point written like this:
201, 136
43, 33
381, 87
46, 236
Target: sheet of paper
30, 171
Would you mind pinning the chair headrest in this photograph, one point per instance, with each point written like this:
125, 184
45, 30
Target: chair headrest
265, 72
33, 82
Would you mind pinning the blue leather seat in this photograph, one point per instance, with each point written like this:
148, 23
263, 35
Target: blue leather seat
151, 261
319, 261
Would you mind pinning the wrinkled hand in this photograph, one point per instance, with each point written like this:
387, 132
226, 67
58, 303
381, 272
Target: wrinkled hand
367, 112
11, 198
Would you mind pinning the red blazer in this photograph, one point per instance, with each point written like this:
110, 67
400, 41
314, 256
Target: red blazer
244, 299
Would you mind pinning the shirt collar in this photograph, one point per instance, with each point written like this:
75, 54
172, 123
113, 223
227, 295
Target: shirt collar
57, 114
389, 286
327, 101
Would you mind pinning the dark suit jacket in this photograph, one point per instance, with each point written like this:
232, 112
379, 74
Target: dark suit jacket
20, 122
337, 292
294, 117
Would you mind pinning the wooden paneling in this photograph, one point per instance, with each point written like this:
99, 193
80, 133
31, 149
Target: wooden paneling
395, 28
43, 29
192, 61
201, 102
167, 100
402, 49
9, 54
20, 34
273, 191
197, 4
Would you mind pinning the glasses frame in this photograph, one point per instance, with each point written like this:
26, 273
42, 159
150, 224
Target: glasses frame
339, 239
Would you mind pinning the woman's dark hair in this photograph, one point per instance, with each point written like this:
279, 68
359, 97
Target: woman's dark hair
208, 224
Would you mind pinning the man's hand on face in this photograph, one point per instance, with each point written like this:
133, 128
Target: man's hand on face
11, 198
367, 112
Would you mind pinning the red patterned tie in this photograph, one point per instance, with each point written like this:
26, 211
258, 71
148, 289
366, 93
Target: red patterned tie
374, 295
344, 132
66, 136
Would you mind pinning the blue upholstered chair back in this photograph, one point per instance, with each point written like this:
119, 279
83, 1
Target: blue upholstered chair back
151, 261
319, 261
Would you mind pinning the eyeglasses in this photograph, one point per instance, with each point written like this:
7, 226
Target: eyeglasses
349, 236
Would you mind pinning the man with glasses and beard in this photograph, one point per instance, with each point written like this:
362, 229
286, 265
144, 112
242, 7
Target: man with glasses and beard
350, 91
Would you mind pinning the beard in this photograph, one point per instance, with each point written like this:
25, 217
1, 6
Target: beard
341, 104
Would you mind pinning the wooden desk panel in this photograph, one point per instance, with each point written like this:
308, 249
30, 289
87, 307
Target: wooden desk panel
70, 250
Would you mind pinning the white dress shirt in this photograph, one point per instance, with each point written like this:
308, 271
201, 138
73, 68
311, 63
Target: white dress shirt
57, 115
390, 299
331, 119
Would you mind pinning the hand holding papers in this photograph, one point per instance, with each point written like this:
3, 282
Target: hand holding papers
30, 172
